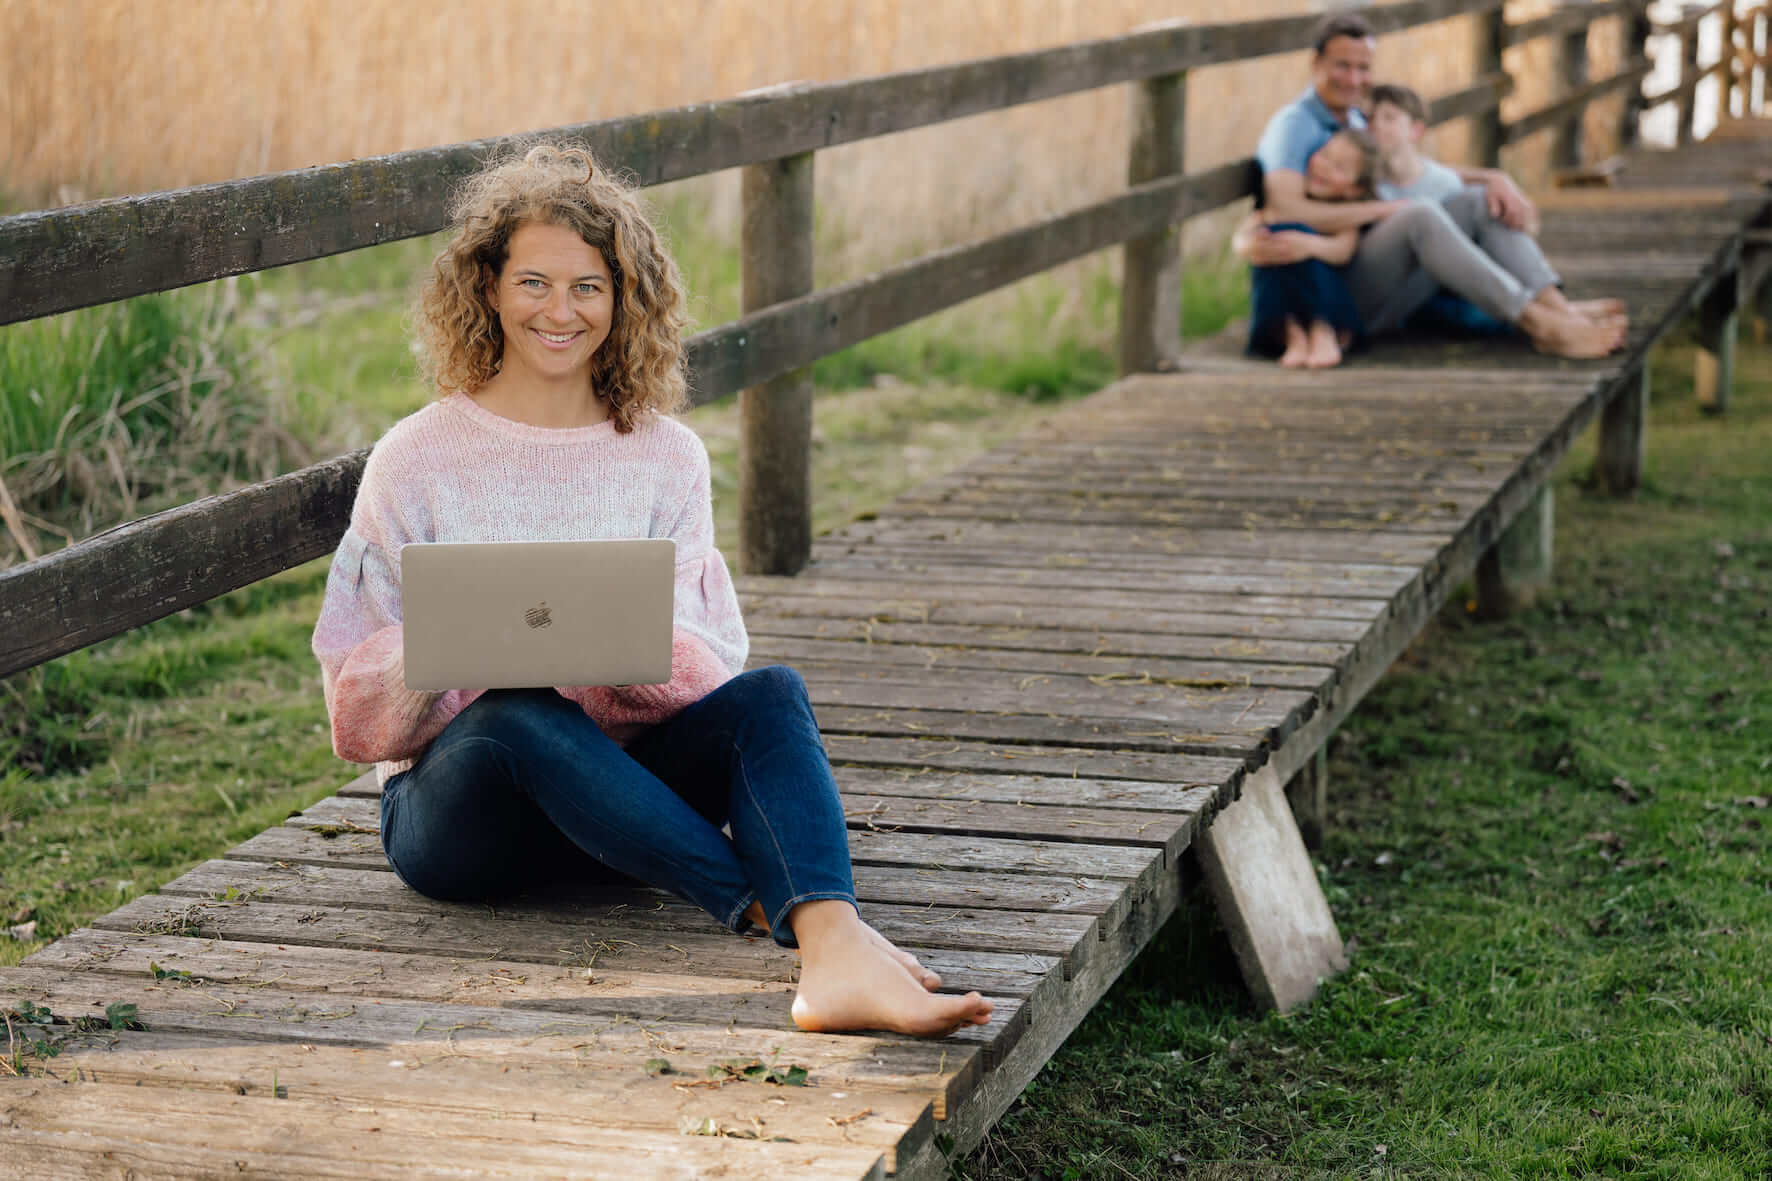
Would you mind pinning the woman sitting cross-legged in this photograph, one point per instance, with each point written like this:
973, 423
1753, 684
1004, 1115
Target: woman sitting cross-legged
552, 327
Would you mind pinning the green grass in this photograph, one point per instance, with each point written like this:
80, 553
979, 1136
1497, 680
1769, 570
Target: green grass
1549, 848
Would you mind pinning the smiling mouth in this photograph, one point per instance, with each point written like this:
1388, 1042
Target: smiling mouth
556, 337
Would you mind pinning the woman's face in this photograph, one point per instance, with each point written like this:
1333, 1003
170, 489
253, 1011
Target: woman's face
1333, 171
555, 301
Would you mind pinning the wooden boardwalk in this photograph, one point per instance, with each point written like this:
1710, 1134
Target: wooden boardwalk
1040, 677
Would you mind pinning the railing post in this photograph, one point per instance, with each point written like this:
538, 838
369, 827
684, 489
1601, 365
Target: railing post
1488, 130
1513, 571
1760, 38
1636, 47
1719, 322
1623, 425
1688, 102
1150, 288
1573, 45
1726, 84
775, 441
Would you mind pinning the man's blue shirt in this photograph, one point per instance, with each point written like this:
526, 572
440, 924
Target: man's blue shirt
1298, 129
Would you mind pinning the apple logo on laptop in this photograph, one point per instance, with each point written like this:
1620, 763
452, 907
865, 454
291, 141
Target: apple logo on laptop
540, 615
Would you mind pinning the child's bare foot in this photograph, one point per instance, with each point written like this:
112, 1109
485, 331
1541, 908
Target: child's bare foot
1325, 350
1298, 346
850, 978
924, 976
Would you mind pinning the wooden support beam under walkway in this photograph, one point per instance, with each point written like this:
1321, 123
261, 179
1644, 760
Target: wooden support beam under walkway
1041, 678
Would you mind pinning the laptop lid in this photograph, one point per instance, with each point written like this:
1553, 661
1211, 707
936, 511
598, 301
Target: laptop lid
535, 614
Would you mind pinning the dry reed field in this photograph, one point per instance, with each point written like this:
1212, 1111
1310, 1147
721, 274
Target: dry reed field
108, 96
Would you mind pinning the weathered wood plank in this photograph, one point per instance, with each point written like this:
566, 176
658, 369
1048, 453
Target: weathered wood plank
768, 648
346, 886
861, 750
1269, 898
360, 820
940, 1067
1083, 617
148, 569
1273, 584
1567, 19
558, 1092
103, 1130
775, 416
985, 536
1632, 74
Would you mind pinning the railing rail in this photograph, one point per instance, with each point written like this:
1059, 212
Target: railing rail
61, 259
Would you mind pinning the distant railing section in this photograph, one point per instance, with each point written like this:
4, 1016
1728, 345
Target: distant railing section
57, 260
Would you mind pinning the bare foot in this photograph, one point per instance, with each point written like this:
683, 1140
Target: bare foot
930, 980
1600, 309
849, 979
1325, 350
1298, 346
1564, 334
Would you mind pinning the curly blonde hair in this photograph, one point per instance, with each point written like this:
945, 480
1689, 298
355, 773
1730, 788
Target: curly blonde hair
640, 366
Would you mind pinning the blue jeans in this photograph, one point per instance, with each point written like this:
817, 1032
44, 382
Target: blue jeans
522, 788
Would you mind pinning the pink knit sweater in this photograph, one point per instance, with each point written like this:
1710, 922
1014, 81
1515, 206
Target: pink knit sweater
455, 471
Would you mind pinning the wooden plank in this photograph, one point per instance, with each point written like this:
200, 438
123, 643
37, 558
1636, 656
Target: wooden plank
955, 578
1151, 265
1106, 733
1286, 545
775, 416
903, 592
1269, 898
1081, 618
150, 568
605, 945
107, 250
1567, 19
361, 818
1231, 709
1551, 114
921, 886
766, 648
938, 1067
555, 1092
1056, 760
99, 1130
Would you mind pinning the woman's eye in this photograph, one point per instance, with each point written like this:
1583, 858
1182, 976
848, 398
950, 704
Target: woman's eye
588, 289
532, 284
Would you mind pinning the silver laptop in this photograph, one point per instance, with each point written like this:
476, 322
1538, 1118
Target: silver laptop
535, 614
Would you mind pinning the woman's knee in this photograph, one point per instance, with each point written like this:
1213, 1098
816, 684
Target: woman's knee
775, 683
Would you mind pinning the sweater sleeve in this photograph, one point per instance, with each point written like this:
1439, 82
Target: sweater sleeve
706, 602
708, 643
359, 643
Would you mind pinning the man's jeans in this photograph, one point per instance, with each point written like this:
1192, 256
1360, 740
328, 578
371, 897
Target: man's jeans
522, 786
1410, 255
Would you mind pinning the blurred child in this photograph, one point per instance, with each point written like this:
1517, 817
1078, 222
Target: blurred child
1301, 312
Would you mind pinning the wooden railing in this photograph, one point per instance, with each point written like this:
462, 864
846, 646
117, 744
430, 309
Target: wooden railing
57, 260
